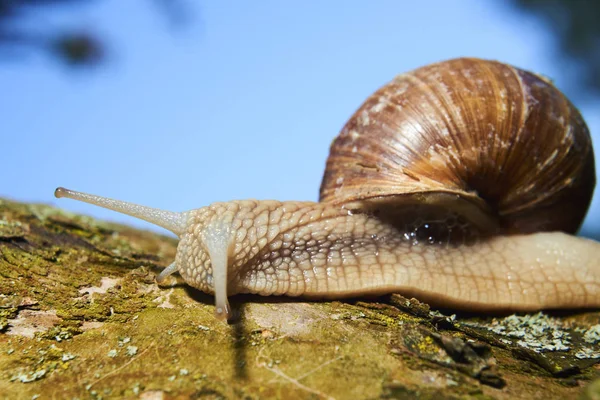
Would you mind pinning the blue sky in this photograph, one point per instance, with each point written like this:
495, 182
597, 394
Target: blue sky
242, 103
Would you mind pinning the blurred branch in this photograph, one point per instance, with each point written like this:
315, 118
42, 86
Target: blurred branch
576, 26
75, 48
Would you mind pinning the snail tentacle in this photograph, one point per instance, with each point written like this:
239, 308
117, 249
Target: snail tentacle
171, 269
217, 240
171, 221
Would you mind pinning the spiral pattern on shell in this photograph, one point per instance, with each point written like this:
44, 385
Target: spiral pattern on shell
468, 134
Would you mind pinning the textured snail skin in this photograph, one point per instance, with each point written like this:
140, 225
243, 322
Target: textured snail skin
457, 183
320, 250
317, 250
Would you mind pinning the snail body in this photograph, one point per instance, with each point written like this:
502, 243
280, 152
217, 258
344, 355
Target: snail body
459, 183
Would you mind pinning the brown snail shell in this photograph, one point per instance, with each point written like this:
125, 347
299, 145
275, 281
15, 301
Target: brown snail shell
480, 137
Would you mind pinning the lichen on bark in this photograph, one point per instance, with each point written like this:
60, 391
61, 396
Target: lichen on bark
82, 317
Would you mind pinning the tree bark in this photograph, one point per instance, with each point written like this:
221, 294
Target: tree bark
82, 317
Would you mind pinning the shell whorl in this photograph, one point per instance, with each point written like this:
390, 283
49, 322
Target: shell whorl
468, 134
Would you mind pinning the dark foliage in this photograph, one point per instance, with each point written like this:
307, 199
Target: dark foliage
72, 47
576, 26
75, 48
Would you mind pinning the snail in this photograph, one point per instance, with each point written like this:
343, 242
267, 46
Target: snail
460, 183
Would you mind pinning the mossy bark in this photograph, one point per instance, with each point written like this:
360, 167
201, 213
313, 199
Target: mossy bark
82, 317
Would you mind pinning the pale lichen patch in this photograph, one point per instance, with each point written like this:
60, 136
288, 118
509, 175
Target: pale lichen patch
29, 322
106, 283
89, 325
592, 335
152, 395
538, 332
587, 353
165, 301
